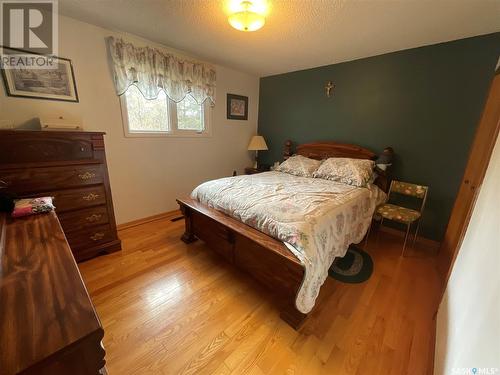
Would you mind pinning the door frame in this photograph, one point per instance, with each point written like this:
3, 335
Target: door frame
479, 158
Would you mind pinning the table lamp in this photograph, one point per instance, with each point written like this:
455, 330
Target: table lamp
257, 143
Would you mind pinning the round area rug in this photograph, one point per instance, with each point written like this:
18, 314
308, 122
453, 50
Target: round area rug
355, 267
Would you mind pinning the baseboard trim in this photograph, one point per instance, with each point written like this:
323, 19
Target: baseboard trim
433, 244
144, 220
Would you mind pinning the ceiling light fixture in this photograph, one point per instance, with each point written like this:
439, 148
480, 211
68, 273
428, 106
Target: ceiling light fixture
248, 16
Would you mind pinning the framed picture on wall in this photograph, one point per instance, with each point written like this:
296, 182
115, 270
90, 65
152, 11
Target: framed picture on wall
237, 107
56, 83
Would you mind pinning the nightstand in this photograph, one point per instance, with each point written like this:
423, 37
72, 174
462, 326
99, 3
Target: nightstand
252, 170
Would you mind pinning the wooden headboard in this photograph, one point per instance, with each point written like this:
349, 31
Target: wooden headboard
329, 149
325, 150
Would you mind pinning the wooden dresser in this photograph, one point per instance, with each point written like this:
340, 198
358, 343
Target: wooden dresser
71, 167
48, 325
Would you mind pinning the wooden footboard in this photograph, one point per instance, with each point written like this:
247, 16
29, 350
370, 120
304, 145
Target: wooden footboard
265, 258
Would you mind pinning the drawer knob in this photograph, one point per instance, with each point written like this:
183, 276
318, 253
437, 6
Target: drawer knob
93, 218
90, 197
97, 236
86, 176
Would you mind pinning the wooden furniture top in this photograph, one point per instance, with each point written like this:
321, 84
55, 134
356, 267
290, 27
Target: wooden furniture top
45, 309
325, 150
49, 133
245, 230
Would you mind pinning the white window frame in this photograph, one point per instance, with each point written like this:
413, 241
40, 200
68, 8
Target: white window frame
173, 131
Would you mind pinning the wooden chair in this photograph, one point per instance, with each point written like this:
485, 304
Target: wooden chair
401, 214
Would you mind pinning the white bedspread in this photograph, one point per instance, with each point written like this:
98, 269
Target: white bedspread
316, 219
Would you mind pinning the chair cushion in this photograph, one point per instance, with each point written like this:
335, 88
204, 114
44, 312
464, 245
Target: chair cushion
398, 213
405, 188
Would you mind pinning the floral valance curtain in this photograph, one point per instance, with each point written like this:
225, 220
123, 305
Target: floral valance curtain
152, 70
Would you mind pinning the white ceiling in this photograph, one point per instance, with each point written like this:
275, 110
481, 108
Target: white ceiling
298, 34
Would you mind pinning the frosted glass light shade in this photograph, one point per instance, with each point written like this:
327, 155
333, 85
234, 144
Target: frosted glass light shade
249, 16
246, 21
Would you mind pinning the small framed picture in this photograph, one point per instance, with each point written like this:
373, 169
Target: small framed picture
56, 83
237, 107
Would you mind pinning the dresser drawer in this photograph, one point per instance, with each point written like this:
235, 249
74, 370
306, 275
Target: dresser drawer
71, 199
88, 217
38, 147
89, 237
38, 179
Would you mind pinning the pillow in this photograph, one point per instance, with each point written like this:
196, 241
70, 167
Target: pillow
356, 172
299, 166
30, 206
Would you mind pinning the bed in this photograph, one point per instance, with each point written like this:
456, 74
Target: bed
285, 230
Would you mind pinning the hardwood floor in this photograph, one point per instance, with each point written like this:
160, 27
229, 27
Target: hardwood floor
170, 308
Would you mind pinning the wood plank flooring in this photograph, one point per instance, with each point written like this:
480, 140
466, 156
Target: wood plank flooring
172, 308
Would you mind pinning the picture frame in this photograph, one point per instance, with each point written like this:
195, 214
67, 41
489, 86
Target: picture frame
47, 84
237, 107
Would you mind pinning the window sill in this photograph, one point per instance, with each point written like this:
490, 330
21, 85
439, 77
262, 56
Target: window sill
167, 135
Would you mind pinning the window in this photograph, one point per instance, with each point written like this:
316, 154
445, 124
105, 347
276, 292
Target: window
162, 116
189, 114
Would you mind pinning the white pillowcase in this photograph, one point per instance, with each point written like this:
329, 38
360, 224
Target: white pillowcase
356, 172
299, 165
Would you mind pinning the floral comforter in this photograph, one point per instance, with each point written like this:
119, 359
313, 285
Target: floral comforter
317, 219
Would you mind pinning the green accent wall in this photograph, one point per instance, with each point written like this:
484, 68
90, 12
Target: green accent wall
424, 102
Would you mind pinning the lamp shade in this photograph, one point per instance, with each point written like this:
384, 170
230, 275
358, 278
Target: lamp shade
257, 143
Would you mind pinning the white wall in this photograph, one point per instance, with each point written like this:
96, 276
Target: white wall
468, 325
147, 174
